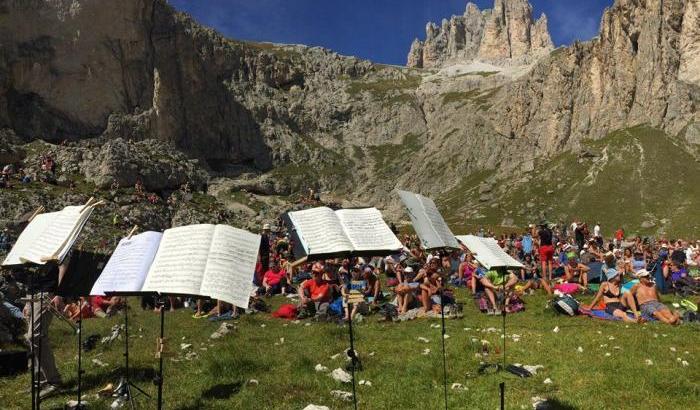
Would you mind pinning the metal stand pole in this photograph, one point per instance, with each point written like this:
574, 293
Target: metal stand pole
444, 354
38, 362
80, 356
127, 382
159, 380
32, 340
351, 353
502, 386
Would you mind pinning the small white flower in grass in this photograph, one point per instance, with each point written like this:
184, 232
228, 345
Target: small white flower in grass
263, 325
335, 356
599, 332
547, 381
556, 329
371, 353
253, 382
656, 335
446, 336
307, 324
435, 326
686, 352
281, 340
673, 349
296, 322
684, 363
611, 338
426, 352
580, 349
467, 329
607, 354
649, 362
664, 334
457, 386
422, 339
320, 368
603, 346
678, 359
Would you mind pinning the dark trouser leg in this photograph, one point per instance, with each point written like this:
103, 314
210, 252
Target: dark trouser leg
48, 373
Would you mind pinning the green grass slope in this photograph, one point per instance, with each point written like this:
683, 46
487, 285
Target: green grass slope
401, 376
639, 178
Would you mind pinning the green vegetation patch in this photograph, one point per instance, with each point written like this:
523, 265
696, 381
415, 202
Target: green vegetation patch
380, 88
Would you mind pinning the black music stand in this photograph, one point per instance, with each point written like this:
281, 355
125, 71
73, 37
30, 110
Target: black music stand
83, 270
125, 381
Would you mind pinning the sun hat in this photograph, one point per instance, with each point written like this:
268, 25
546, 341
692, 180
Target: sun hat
611, 273
408, 269
642, 273
266, 227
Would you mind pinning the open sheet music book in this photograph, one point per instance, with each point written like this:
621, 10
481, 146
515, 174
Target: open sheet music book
324, 232
49, 236
427, 221
216, 261
488, 253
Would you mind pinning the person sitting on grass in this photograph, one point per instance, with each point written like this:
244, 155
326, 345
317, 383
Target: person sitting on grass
373, 292
274, 280
575, 271
430, 292
354, 282
616, 302
497, 282
405, 296
648, 298
530, 278
466, 271
315, 293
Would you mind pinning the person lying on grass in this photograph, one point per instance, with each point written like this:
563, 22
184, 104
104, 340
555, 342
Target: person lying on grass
575, 271
616, 302
648, 297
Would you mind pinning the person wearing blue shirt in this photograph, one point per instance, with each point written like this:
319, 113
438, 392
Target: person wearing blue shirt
527, 244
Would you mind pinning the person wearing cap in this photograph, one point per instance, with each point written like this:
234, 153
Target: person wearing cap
648, 298
616, 302
315, 293
264, 251
405, 291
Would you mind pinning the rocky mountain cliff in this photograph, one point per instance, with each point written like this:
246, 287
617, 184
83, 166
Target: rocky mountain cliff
273, 120
505, 34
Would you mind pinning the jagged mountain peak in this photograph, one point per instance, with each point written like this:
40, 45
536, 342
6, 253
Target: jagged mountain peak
504, 35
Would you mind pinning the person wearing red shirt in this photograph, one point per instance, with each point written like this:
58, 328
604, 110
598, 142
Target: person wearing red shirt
275, 279
315, 293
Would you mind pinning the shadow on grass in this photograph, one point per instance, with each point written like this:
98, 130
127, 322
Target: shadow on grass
222, 391
140, 375
555, 404
217, 392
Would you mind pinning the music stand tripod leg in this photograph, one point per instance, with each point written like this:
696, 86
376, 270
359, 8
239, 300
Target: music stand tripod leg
38, 361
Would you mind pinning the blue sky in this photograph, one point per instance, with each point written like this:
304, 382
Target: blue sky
379, 30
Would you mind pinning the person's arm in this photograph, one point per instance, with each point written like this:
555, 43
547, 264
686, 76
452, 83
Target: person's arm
302, 292
583, 268
522, 274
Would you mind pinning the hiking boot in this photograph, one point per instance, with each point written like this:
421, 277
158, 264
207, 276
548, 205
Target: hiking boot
48, 391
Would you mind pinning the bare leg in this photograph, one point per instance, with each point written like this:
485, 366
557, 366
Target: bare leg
546, 286
492, 297
425, 300
623, 315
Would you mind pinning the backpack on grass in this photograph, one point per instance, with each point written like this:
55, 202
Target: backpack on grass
565, 305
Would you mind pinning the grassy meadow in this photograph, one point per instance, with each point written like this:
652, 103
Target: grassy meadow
401, 375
